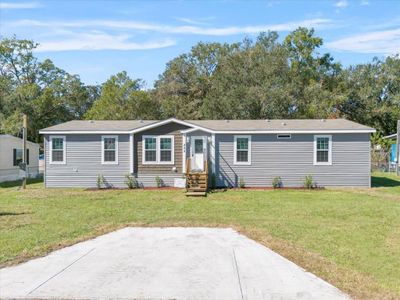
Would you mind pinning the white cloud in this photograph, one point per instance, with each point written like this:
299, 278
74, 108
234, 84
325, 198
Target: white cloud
383, 42
197, 30
100, 41
201, 21
19, 5
364, 2
341, 4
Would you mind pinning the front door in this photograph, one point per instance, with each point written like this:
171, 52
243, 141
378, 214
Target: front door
198, 151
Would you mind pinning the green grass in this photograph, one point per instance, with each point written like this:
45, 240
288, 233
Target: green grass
350, 237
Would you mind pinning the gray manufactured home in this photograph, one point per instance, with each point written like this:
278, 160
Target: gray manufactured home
336, 152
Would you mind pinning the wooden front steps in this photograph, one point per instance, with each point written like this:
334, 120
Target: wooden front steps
196, 182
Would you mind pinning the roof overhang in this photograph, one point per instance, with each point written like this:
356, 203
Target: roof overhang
194, 127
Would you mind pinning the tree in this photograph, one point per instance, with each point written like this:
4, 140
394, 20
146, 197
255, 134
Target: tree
315, 79
121, 99
251, 82
17, 61
185, 83
373, 94
47, 94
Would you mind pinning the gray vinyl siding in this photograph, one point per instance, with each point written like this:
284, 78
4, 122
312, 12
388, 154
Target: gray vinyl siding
83, 163
292, 160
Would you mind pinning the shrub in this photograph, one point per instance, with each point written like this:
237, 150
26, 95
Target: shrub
308, 182
131, 181
100, 181
277, 182
159, 181
242, 184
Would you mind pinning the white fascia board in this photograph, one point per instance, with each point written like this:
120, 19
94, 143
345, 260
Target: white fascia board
171, 120
197, 128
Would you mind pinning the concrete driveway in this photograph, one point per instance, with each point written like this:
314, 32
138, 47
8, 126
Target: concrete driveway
164, 263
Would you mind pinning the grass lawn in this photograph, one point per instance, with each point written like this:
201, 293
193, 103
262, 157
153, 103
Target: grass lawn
349, 237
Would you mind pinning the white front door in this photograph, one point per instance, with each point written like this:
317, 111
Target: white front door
198, 151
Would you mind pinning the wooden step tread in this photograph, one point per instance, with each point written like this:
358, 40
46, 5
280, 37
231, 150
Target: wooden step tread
196, 194
197, 189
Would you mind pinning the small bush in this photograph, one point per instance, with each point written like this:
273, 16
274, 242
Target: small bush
277, 182
131, 181
100, 181
309, 182
242, 184
159, 181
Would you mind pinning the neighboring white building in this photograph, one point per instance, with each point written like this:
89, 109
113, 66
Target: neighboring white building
11, 156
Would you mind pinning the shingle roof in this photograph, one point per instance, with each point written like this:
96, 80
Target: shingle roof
217, 125
8, 136
80, 125
284, 125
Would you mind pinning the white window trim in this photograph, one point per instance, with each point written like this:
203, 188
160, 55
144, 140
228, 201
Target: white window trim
329, 162
235, 162
51, 162
283, 136
158, 150
116, 150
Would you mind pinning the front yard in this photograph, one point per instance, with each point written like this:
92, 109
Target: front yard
349, 237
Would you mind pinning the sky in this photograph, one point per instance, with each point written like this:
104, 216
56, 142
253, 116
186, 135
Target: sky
96, 39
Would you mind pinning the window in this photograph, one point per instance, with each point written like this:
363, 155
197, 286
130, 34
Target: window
165, 149
322, 150
57, 150
283, 136
158, 149
109, 149
150, 149
17, 155
242, 154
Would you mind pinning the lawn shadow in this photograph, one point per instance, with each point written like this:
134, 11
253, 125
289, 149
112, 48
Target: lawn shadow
384, 182
18, 183
6, 213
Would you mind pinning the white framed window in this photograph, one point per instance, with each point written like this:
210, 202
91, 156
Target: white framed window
322, 150
158, 149
57, 150
166, 152
149, 149
109, 149
284, 136
242, 150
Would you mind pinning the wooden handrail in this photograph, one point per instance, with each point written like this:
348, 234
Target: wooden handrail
187, 165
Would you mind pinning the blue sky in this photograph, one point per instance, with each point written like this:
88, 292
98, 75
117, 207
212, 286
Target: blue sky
96, 39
